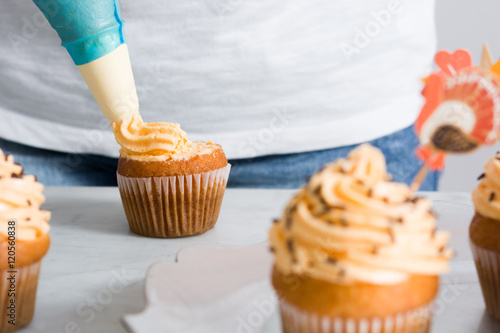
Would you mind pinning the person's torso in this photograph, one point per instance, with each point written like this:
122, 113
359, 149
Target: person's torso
258, 77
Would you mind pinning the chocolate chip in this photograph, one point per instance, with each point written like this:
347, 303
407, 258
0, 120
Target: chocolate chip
399, 220
289, 245
13, 175
481, 176
275, 221
343, 222
370, 193
272, 249
331, 260
6, 156
29, 203
28, 219
442, 248
492, 196
289, 220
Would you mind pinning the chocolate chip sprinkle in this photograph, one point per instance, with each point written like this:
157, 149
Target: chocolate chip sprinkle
28, 219
13, 175
343, 222
433, 233
289, 220
29, 203
481, 176
272, 249
275, 221
289, 245
6, 157
331, 260
442, 248
370, 193
492, 196
399, 220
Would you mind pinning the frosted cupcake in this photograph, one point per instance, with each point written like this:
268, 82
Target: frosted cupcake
484, 235
355, 252
24, 240
170, 186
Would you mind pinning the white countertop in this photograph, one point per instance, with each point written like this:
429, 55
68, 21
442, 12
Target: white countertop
93, 273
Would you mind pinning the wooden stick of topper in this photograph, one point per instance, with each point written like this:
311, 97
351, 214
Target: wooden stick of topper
462, 109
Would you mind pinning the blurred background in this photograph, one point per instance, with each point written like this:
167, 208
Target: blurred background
467, 24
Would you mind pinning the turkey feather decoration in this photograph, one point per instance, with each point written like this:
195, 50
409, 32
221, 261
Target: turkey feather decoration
462, 108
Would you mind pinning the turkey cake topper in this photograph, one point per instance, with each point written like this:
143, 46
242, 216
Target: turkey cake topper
462, 108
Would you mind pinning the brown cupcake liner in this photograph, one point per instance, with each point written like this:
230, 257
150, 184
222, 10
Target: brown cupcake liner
488, 270
295, 320
26, 281
173, 206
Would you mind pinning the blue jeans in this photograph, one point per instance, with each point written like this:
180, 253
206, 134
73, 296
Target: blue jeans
274, 171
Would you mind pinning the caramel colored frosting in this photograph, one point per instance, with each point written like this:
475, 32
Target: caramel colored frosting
155, 141
486, 196
351, 223
20, 200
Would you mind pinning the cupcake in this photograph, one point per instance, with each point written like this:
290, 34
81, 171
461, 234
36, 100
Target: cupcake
355, 252
170, 186
24, 241
484, 234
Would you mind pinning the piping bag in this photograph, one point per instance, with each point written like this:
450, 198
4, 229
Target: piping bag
92, 33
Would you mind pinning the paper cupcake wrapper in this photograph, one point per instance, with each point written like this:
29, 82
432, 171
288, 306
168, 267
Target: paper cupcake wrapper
25, 283
173, 206
488, 270
295, 320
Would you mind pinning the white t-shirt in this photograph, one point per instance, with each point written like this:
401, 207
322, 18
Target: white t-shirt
258, 77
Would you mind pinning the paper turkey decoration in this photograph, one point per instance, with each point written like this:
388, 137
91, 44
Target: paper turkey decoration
462, 108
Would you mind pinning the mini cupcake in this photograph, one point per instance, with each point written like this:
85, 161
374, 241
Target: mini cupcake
484, 233
24, 241
170, 186
355, 252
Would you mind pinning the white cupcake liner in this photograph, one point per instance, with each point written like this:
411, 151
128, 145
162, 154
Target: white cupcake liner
295, 320
488, 270
173, 206
26, 281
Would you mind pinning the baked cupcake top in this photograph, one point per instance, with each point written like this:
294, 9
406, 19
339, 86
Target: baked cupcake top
351, 223
155, 141
20, 200
486, 196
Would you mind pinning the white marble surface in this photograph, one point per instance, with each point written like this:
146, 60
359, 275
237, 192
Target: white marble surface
94, 271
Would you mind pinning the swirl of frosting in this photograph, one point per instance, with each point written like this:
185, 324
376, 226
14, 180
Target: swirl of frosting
351, 223
138, 138
486, 196
20, 200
